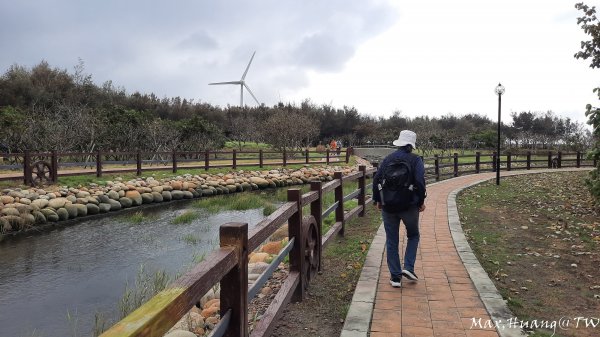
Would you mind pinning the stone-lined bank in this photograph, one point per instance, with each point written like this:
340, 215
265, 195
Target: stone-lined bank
23, 209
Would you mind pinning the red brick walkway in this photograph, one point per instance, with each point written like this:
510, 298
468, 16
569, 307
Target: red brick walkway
444, 301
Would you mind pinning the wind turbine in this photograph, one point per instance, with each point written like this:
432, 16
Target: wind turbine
242, 84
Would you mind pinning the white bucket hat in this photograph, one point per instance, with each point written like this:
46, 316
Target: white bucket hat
406, 137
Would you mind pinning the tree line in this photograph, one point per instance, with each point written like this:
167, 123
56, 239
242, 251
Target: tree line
44, 108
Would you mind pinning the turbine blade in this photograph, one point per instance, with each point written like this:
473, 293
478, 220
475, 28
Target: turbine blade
248, 67
250, 91
231, 82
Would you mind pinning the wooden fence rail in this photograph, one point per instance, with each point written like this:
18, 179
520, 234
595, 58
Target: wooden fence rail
444, 167
46, 167
228, 265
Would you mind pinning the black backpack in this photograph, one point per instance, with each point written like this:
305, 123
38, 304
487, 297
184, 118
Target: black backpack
396, 186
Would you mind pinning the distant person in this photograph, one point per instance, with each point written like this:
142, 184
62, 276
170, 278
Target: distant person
399, 192
332, 145
338, 145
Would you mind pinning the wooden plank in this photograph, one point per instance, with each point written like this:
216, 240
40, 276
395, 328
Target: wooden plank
265, 326
352, 195
352, 213
309, 197
234, 285
269, 225
330, 234
161, 312
330, 186
352, 176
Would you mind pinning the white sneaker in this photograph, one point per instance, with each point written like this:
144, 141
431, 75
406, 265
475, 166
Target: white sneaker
410, 275
396, 282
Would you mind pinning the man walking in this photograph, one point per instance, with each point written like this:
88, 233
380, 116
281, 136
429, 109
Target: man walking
399, 192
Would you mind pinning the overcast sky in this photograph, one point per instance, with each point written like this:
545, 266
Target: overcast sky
418, 57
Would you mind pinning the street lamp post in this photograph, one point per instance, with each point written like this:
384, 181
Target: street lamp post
499, 91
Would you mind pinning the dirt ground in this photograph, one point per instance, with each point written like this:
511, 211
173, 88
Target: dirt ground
538, 237
323, 311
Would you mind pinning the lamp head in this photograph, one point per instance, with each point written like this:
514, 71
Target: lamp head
500, 89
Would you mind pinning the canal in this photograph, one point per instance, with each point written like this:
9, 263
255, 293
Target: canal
55, 282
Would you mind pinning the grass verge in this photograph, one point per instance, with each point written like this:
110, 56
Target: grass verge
538, 238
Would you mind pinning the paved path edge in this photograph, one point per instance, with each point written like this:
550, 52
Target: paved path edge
495, 305
358, 318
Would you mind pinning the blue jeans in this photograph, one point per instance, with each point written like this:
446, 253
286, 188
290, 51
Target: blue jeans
391, 222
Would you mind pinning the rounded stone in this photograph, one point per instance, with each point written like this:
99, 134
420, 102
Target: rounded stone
114, 195
62, 213
81, 209
92, 209
103, 198
41, 203
9, 211
72, 209
114, 205
39, 218
125, 202
147, 198
135, 196
104, 207
166, 196
28, 219
57, 203
177, 195
157, 197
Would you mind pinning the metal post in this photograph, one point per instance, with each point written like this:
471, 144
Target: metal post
498, 149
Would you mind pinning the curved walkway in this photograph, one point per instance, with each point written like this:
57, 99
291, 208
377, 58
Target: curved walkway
454, 296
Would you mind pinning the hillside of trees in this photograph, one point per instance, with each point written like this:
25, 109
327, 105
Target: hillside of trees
44, 108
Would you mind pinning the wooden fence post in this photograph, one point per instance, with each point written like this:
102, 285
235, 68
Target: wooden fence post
234, 159
456, 164
508, 161
494, 161
437, 167
234, 285
559, 163
477, 162
174, 161
54, 167
306, 155
260, 158
578, 162
348, 153
297, 253
529, 160
98, 164
549, 159
138, 160
327, 154
26, 168
206, 160
362, 187
316, 210
339, 198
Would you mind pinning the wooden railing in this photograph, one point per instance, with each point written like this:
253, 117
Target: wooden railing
228, 265
444, 167
54, 164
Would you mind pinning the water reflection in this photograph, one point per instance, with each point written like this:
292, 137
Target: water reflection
83, 269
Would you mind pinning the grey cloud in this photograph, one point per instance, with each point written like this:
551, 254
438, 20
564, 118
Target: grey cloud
323, 52
177, 48
198, 40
